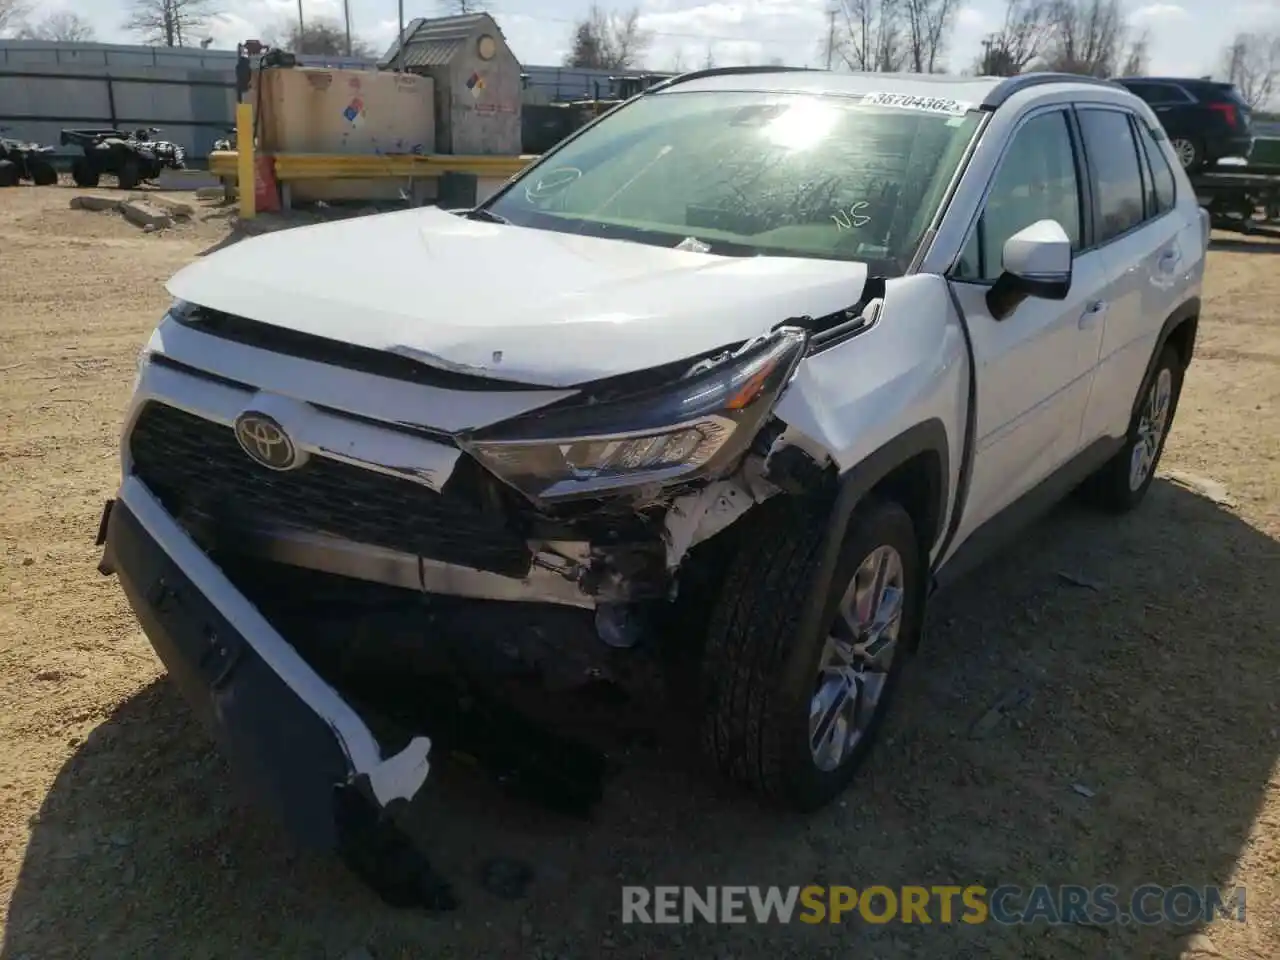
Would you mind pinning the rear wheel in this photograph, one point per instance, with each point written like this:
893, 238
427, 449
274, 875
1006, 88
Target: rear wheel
42, 173
790, 715
1190, 154
84, 173
8, 173
1123, 481
128, 175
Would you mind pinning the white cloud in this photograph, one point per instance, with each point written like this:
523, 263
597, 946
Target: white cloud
1159, 11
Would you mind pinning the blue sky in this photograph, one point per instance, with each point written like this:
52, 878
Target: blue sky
1187, 35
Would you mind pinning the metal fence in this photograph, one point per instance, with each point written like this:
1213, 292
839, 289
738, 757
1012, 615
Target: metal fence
188, 92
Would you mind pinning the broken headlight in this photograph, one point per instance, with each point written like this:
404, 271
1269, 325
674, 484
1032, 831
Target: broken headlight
698, 424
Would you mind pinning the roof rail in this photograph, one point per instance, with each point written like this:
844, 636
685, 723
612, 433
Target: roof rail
1011, 85
725, 72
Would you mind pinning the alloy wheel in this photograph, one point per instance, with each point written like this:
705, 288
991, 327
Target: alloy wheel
1151, 427
1186, 151
853, 670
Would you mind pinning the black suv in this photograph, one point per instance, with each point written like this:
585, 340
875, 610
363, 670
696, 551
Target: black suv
1206, 120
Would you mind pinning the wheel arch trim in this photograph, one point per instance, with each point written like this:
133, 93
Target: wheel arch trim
926, 437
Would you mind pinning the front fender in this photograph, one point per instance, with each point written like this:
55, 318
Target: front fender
876, 394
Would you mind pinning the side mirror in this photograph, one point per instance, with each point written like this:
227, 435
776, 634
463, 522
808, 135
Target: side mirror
1037, 263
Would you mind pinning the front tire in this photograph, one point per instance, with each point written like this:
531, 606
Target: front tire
794, 716
1123, 481
84, 173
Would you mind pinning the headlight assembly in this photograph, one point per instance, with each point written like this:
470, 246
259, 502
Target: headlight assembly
696, 425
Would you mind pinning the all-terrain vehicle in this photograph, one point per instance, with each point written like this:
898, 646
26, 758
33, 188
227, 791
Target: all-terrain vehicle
226, 143
131, 157
20, 161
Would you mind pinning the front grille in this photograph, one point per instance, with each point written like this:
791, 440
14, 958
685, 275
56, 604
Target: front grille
196, 468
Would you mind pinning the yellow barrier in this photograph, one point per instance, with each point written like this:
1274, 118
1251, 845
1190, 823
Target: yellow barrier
331, 166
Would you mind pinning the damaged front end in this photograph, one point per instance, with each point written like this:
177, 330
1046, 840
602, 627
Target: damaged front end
293, 601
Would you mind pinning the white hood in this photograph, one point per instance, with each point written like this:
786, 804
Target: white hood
509, 302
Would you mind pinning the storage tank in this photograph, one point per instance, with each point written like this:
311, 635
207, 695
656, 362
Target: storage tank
477, 81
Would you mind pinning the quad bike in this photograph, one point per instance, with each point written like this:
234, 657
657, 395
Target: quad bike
130, 156
25, 161
226, 143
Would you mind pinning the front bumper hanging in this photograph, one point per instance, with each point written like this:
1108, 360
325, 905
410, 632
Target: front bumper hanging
287, 732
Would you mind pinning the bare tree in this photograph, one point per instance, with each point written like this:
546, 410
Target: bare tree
1252, 62
63, 26
709, 61
870, 36
1087, 37
1018, 42
929, 24
12, 14
326, 38
453, 8
1138, 55
608, 41
170, 23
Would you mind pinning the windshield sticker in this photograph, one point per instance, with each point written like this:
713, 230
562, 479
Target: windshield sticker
954, 108
850, 219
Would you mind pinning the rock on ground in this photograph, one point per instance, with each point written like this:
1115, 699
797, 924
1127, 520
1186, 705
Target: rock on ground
142, 213
90, 201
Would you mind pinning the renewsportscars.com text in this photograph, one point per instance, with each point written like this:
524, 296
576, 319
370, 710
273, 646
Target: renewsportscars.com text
1148, 904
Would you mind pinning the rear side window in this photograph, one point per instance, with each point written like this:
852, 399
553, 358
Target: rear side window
1113, 158
1162, 191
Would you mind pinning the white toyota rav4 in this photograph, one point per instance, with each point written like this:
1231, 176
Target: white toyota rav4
729, 382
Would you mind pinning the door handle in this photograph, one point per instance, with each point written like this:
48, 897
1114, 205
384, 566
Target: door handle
1168, 261
1092, 313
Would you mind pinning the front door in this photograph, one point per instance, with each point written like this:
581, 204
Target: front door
1034, 368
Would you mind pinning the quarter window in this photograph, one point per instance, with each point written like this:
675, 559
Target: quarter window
1036, 181
1113, 156
1163, 192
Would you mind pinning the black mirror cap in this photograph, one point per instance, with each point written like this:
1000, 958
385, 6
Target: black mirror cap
1009, 290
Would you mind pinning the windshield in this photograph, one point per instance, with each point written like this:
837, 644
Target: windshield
749, 173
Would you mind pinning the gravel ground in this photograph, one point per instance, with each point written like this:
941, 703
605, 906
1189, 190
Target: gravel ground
1145, 752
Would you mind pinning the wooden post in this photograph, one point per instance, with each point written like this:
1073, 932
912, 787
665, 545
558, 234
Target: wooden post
245, 179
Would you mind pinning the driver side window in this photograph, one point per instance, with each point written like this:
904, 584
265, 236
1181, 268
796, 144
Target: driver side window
1036, 181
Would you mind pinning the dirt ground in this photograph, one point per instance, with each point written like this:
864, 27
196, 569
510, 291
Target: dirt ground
1148, 646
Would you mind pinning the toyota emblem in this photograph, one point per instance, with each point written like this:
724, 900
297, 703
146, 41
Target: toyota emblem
265, 441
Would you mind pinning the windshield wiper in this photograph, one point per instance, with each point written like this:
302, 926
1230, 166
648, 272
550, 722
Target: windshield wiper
488, 216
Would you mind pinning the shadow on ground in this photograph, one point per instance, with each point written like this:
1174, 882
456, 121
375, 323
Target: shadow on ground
1142, 642
1233, 245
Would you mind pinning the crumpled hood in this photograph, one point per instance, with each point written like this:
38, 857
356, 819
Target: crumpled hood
509, 302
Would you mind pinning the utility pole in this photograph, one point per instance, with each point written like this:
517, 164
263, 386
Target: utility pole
400, 45
301, 28
831, 35
346, 18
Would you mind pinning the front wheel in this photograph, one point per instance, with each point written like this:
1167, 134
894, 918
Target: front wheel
8, 173
84, 173
1122, 482
793, 716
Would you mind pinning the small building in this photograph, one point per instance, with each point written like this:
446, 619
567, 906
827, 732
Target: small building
476, 76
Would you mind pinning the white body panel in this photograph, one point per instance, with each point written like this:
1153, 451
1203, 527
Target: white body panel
509, 302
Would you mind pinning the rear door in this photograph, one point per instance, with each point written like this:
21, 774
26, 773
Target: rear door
1034, 367
1140, 233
